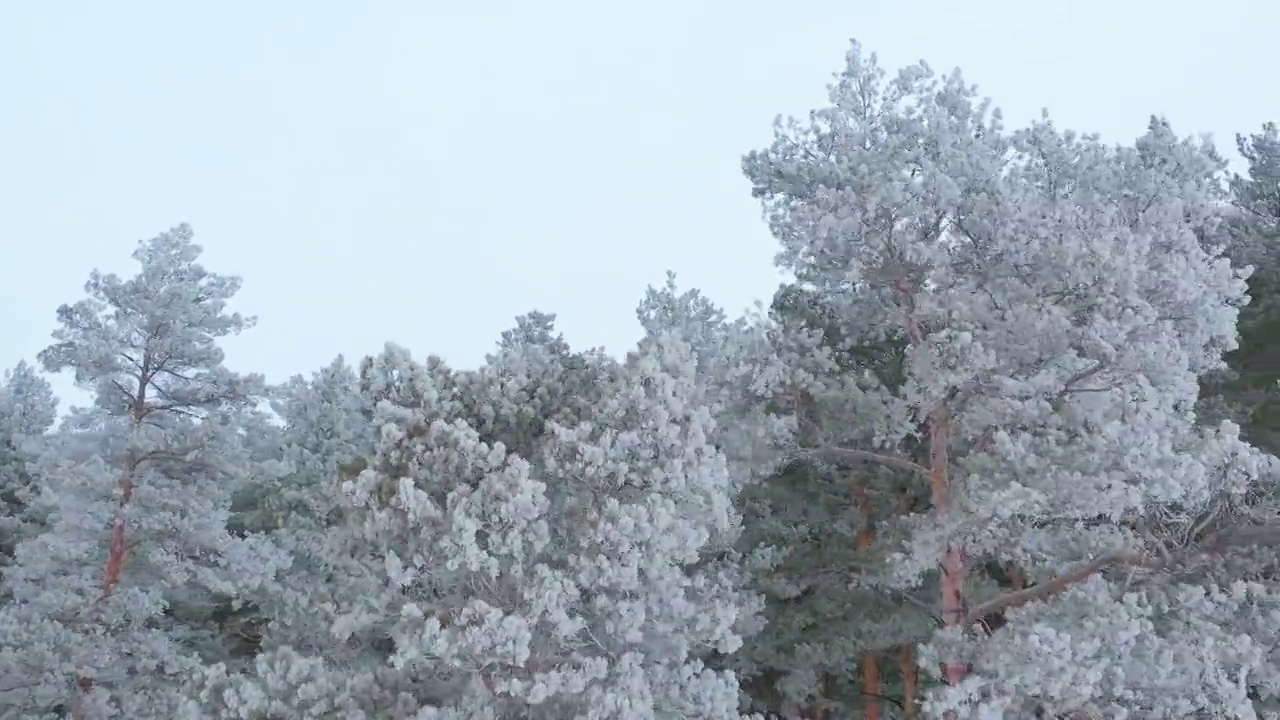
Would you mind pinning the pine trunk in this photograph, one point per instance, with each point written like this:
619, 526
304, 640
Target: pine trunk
869, 663
910, 681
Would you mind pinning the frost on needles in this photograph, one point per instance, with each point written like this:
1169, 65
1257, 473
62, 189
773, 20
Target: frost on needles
1055, 300
106, 609
550, 536
978, 459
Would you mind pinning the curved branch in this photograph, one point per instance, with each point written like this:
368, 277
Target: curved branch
839, 454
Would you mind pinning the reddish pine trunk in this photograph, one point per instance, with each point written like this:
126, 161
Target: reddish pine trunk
907, 666
953, 566
870, 671
115, 551
952, 560
114, 566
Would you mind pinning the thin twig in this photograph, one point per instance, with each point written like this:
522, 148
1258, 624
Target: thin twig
984, 441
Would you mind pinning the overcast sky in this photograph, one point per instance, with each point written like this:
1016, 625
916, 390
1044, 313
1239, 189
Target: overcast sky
415, 172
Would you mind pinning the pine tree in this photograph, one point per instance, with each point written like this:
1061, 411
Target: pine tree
27, 411
837, 634
328, 436
528, 540
109, 605
1250, 388
1060, 304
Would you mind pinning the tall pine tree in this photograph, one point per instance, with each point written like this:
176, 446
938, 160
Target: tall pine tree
111, 604
1059, 306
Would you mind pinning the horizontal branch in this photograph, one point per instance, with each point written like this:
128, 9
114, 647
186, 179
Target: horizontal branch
1016, 598
840, 454
1070, 385
1239, 536
1213, 544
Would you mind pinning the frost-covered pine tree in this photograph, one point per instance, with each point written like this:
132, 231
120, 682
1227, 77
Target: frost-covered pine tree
1256, 197
804, 534
27, 411
839, 640
327, 434
1250, 391
111, 606
535, 539
740, 370
1060, 304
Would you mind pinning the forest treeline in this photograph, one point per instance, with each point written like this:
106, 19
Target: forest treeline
1003, 448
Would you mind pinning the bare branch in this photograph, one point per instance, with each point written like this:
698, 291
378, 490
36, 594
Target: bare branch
1070, 385
1204, 522
878, 696
175, 408
914, 601
1244, 536
839, 454
1005, 601
173, 373
123, 390
1142, 527
810, 429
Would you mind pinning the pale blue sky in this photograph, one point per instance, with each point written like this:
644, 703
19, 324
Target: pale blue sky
414, 172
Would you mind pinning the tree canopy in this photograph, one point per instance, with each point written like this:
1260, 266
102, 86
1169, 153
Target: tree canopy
1000, 448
